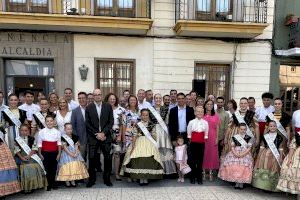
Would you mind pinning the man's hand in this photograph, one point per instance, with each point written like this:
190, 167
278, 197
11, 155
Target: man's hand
101, 136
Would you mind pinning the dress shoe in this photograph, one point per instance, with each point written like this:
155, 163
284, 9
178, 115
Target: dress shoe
90, 184
193, 181
108, 183
199, 181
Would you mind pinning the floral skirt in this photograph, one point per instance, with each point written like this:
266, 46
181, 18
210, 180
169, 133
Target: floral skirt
32, 176
266, 171
9, 183
234, 169
70, 169
143, 161
289, 180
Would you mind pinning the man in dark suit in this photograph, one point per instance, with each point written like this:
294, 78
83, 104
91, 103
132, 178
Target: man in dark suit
78, 122
179, 118
99, 121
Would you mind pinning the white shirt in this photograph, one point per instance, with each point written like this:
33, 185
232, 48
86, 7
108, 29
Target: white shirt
82, 112
197, 125
98, 107
144, 105
49, 135
73, 104
61, 121
262, 112
30, 109
182, 119
296, 119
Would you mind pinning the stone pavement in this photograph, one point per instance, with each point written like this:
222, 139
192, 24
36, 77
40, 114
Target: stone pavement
159, 190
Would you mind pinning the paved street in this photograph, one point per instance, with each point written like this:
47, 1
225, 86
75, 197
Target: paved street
160, 190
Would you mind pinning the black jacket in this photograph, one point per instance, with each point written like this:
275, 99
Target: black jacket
92, 122
173, 120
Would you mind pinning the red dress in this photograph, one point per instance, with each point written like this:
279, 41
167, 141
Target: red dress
211, 156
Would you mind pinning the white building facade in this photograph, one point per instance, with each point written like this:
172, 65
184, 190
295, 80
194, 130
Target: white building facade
163, 59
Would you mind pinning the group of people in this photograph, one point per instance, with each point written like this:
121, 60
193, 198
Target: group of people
146, 137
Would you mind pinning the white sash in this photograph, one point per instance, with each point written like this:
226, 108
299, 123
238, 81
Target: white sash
241, 140
147, 133
159, 119
68, 139
12, 117
27, 150
279, 125
41, 118
272, 147
2, 136
240, 119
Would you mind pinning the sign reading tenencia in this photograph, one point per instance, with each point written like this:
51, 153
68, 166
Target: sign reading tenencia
30, 44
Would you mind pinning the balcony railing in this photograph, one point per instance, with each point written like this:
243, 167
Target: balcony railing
109, 8
253, 11
294, 34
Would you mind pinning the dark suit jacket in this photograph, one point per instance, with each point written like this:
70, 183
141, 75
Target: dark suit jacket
78, 124
173, 120
92, 122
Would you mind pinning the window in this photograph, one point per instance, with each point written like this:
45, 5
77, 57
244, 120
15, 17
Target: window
119, 8
213, 9
212, 78
35, 6
115, 76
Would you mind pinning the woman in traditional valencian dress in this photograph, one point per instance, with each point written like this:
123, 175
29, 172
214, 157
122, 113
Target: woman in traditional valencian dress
289, 180
18, 115
163, 138
237, 165
32, 175
269, 159
241, 116
142, 160
9, 182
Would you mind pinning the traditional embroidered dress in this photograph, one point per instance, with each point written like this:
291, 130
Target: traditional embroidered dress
142, 161
31, 174
233, 128
9, 183
70, 168
234, 169
129, 119
267, 169
164, 141
11, 127
49, 140
289, 180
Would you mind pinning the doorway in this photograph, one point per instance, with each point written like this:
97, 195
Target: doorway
34, 75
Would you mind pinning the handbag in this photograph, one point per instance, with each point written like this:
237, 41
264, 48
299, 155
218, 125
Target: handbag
185, 169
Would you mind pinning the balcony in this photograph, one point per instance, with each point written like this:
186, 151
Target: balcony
125, 17
293, 22
221, 18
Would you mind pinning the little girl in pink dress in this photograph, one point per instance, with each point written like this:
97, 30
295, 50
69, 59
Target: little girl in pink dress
181, 157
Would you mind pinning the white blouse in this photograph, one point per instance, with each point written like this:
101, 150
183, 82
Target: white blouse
61, 121
197, 125
262, 112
